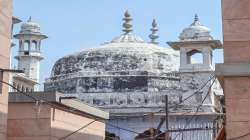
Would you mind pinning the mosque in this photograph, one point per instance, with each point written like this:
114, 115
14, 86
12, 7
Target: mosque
130, 78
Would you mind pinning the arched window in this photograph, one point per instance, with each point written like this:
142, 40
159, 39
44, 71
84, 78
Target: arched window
34, 46
26, 89
23, 89
195, 57
26, 45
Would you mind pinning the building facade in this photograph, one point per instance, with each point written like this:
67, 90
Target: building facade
28, 120
29, 57
130, 77
5, 44
234, 72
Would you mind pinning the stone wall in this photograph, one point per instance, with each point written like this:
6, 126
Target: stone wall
147, 96
236, 34
113, 83
28, 121
5, 36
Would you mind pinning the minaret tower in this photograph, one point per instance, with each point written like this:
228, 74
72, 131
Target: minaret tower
196, 39
29, 54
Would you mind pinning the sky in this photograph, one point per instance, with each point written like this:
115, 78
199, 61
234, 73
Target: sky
73, 25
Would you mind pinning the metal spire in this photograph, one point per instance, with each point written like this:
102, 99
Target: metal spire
127, 26
153, 36
196, 21
30, 19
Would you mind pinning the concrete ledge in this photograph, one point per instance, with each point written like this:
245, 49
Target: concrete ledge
237, 69
15, 97
79, 105
215, 44
233, 69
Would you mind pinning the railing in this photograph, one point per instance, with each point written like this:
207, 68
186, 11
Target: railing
194, 132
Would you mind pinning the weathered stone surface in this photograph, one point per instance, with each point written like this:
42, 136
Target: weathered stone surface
5, 35
128, 78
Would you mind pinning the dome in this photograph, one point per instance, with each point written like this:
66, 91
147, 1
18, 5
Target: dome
110, 64
118, 56
125, 64
30, 27
196, 31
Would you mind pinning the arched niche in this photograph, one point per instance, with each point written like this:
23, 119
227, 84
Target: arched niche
26, 45
34, 45
195, 56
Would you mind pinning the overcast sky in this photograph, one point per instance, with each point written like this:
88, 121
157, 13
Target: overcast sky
72, 25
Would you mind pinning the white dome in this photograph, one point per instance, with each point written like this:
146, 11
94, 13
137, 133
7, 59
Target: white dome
118, 56
196, 31
30, 27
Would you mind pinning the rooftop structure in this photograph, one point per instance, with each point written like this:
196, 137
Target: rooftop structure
129, 77
29, 54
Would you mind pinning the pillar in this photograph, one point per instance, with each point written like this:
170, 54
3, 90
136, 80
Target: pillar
5, 44
235, 72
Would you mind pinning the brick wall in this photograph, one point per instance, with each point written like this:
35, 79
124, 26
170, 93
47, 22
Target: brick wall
5, 33
236, 33
26, 121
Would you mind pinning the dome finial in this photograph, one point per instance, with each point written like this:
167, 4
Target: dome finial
127, 26
30, 19
196, 18
153, 36
196, 21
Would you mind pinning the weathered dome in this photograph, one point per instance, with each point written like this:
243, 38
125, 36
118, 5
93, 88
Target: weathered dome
117, 61
196, 31
118, 56
30, 27
125, 64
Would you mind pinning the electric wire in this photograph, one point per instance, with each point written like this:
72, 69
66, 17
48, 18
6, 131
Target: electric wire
236, 138
196, 92
47, 102
64, 137
197, 110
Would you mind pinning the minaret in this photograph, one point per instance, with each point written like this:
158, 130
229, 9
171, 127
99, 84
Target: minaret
196, 39
29, 54
153, 36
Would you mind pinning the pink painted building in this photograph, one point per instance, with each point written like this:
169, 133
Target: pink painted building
28, 120
234, 73
5, 43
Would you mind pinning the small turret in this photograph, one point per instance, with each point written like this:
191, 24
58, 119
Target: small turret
196, 40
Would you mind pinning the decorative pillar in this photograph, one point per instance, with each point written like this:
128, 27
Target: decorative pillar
5, 44
234, 73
